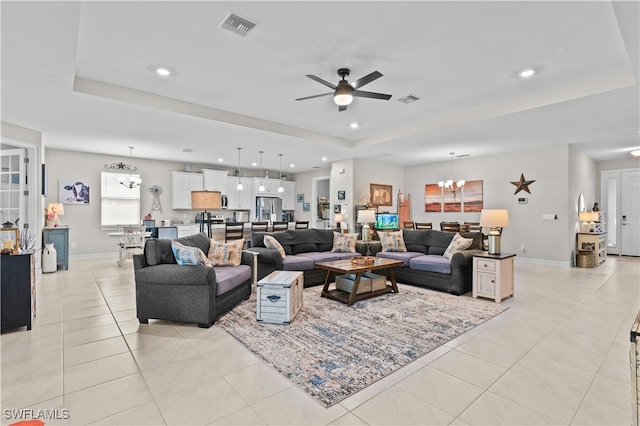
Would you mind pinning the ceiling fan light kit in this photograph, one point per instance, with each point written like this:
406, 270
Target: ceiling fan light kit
344, 92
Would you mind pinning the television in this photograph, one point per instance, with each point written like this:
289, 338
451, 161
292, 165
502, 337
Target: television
387, 221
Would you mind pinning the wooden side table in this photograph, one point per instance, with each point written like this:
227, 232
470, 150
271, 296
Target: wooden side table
493, 275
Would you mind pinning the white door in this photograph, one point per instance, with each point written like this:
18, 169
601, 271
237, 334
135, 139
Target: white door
630, 213
13, 187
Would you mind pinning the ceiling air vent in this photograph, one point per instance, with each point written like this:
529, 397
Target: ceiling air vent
408, 99
236, 24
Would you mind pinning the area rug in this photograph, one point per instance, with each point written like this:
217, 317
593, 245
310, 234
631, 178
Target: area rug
331, 350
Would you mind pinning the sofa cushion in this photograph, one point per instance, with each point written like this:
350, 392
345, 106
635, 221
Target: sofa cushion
431, 263
392, 241
416, 240
158, 252
405, 256
303, 248
438, 242
345, 243
230, 277
326, 256
457, 244
186, 255
297, 262
272, 243
325, 246
226, 254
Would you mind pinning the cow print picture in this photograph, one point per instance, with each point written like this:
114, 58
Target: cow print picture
74, 192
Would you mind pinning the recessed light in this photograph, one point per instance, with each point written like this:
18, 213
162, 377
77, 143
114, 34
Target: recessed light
164, 71
354, 125
254, 164
292, 165
636, 152
324, 158
220, 160
527, 72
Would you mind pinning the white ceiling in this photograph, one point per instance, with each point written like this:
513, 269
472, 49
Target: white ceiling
81, 73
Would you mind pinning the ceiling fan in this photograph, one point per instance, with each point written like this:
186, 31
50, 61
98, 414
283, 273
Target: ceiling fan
344, 92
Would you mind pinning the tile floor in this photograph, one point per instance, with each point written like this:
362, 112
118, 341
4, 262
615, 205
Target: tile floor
559, 355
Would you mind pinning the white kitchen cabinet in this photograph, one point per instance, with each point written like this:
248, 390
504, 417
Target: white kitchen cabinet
183, 184
289, 195
270, 185
215, 180
239, 199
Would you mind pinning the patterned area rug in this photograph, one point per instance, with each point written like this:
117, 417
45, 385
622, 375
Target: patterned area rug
331, 350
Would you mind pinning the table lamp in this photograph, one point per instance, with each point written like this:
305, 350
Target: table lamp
54, 210
365, 217
495, 219
206, 200
588, 220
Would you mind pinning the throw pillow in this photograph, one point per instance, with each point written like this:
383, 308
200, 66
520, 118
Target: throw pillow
457, 244
344, 243
392, 241
272, 243
187, 255
226, 254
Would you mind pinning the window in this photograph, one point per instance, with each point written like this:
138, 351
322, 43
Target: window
119, 205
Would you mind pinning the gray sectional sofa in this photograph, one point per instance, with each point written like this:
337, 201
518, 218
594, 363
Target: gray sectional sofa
303, 247
424, 263
187, 293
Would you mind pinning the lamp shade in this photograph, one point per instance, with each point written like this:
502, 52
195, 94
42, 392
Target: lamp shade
338, 217
55, 208
206, 200
494, 218
366, 216
589, 216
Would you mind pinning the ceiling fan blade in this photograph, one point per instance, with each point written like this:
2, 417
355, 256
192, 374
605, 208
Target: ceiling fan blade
342, 107
321, 81
366, 79
363, 94
314, 96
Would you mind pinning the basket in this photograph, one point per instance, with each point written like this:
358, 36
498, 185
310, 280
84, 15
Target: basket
363, 260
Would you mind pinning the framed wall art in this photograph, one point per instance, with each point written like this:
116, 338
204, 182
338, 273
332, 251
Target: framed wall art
74, 192
381, 195
306, 207
341, 195
300, 198
337, 208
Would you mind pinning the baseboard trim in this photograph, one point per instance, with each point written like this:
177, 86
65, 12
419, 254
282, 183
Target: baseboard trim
543, 261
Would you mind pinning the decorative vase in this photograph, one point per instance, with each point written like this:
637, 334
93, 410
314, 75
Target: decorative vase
596, 208
49, 258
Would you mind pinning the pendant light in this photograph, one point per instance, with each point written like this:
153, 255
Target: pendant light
239, 186
261, 187
450, 184
280, 188
128, 182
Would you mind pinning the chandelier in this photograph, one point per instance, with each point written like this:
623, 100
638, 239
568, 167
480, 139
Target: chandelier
131, 181
450, 184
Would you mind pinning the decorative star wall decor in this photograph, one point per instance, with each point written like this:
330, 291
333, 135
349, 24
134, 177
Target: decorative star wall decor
522, 184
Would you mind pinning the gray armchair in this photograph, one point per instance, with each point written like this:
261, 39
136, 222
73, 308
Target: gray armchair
187, 293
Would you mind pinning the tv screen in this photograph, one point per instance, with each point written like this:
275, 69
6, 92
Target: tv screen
387, 221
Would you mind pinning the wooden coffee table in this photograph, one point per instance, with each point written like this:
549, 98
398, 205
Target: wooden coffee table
345, 266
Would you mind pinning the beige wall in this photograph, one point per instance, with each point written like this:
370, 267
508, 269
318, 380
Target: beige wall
542, 239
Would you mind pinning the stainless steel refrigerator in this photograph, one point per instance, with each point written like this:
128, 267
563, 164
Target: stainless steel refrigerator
268, 209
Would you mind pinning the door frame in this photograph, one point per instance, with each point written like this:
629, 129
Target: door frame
613, 224
34, 207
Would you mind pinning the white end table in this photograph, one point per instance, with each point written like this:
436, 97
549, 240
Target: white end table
493, 275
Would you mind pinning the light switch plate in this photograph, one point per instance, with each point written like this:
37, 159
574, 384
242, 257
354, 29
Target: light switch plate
549, 216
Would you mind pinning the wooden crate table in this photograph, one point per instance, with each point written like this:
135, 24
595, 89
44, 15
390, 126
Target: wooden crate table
279, 297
